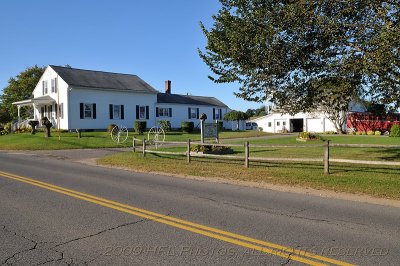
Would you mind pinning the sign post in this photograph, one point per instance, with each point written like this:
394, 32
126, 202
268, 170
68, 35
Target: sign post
208, 130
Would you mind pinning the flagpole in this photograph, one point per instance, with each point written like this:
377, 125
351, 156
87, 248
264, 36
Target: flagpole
58, 107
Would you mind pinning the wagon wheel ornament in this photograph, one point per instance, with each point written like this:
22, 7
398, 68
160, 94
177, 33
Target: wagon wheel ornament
156, 136
119, 134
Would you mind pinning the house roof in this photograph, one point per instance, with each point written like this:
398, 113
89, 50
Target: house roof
188, 99
103, 80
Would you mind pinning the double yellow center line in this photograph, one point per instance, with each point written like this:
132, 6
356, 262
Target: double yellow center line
239, 240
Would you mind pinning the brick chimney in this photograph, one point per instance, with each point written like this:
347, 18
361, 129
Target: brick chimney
168, 86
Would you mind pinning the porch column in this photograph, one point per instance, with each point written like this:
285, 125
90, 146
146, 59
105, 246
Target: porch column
34, 111
19, 118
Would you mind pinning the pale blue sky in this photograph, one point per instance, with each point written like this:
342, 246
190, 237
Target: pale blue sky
156, 40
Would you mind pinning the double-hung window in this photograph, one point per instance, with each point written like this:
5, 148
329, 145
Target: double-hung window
116, 111
163, 112
44, 87
54, 85
142, 112
217, 114
193, 113
87, 110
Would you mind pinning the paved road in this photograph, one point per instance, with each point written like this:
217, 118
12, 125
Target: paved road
45, 225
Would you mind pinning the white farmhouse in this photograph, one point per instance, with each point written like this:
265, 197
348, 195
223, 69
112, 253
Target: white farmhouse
87, 99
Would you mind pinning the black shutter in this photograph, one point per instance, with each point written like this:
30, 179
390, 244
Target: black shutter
147, 112
111, 111
189, 113
198, 113
56, 110
94, 111
213, 113
122, 112
170, 112
156, 111
81, 110
220, 114
137, 111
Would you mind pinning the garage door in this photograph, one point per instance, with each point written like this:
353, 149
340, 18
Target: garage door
315, 125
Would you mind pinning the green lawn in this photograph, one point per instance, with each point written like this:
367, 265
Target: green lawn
381, 181
26, 141
310, 151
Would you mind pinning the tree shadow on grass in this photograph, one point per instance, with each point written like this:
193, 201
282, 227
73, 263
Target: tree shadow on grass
390, 154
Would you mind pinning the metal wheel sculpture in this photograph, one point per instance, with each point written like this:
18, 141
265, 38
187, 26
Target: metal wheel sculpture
156, 136
119, 134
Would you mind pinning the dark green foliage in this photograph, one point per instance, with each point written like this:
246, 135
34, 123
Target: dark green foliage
220, 125
19, 88
4, 115
236, 116
212, 149
395, 131
6, 129
306, 54
187, 127
110, 127
165, 125
140, 126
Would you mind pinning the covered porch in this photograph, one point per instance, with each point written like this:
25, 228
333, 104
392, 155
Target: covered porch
43, 106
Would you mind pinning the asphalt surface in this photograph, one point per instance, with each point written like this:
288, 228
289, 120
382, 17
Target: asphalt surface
43, 227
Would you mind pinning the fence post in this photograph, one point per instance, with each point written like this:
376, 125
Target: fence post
188, 151
144, 147
326, 158
134, 144
246, 154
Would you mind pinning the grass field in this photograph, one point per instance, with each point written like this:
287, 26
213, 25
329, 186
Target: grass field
380, 181
26, 141
376, 181
310, 151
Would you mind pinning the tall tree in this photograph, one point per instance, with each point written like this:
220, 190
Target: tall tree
306, 53
19, 88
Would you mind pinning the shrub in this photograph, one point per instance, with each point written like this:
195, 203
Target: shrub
330, 132
377, 133
308, 135
363, 133
110, 127
164, 124
212, 149
220, 125
8, 127
370, 133
140, 126
395, 131
22, 129
187, 127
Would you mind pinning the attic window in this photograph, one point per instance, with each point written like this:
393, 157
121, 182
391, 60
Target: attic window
44, 87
